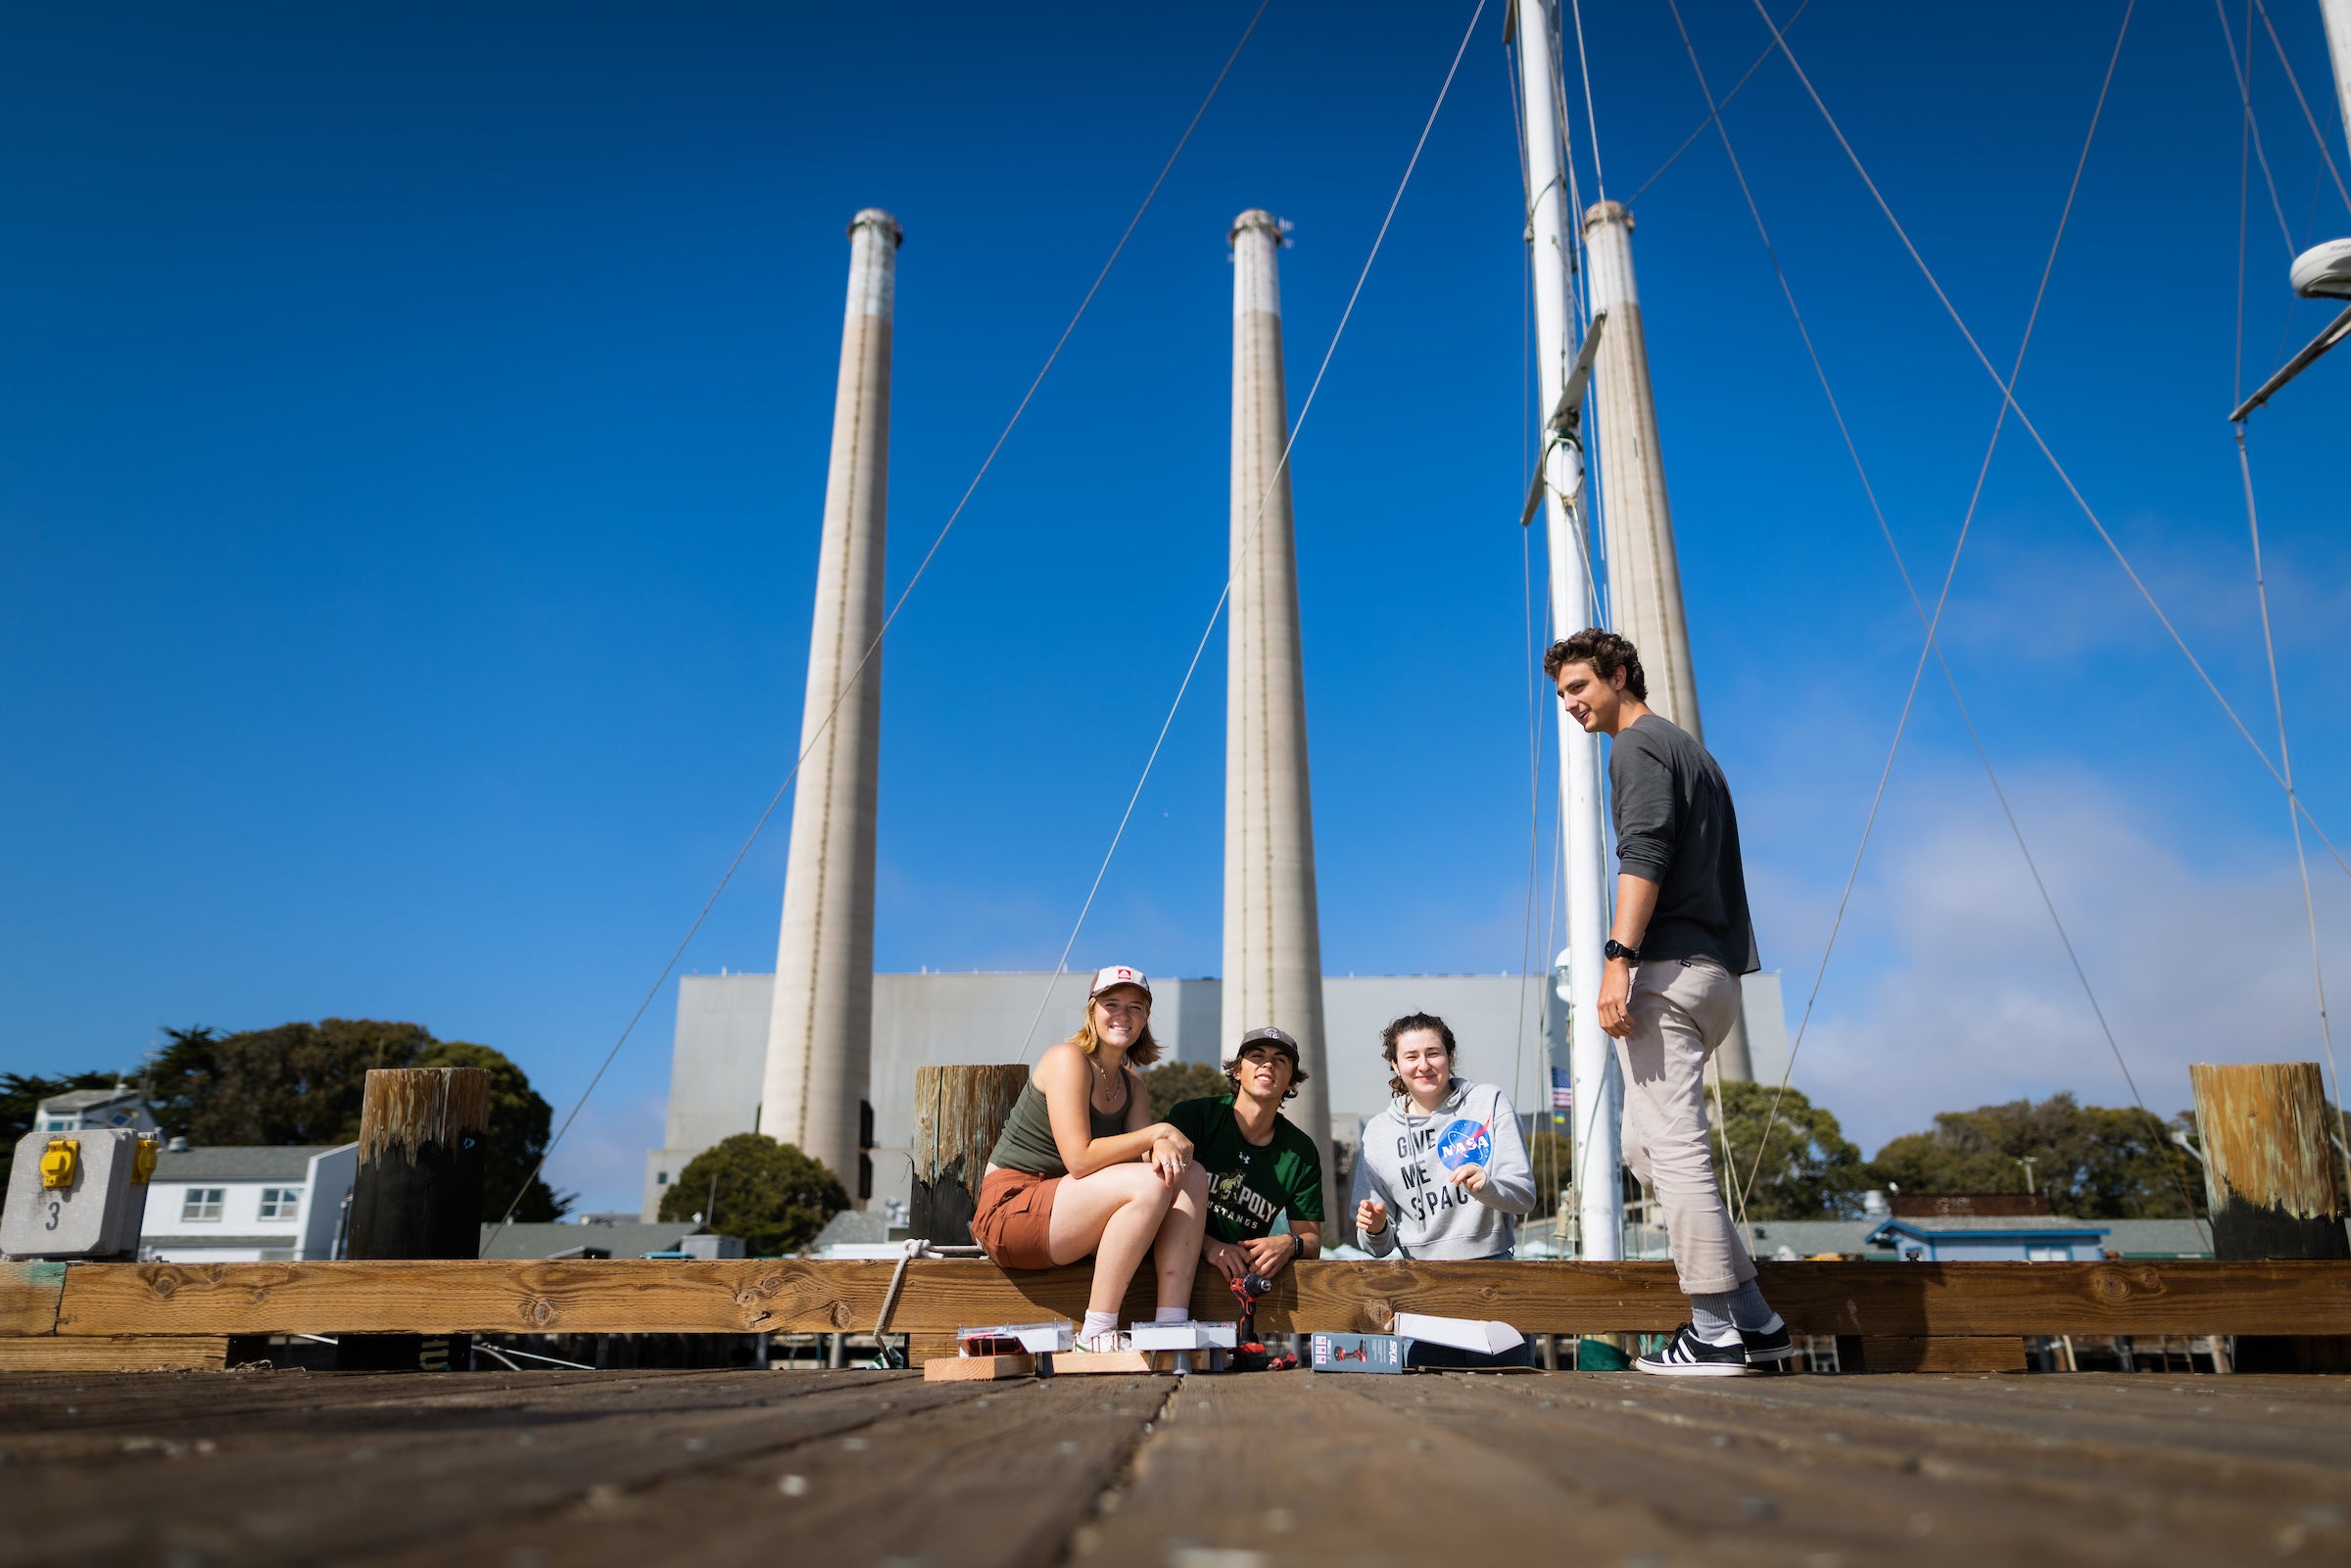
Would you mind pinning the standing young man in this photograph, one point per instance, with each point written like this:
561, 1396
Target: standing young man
1670, 993
1258, 1164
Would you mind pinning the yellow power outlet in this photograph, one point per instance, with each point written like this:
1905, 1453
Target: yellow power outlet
59, 1161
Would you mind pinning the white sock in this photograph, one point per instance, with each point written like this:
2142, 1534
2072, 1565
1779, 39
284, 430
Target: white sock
1172, 1314
1098, 1323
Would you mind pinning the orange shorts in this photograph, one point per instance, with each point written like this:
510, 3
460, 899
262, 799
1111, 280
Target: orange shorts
1013, 1221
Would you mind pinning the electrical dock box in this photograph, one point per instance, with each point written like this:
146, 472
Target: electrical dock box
1360, 1353
80, 1194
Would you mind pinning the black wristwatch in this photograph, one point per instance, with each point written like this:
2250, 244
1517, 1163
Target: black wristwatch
1617, 949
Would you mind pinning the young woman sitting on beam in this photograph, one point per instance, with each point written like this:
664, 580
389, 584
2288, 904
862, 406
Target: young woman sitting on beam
1082, 1169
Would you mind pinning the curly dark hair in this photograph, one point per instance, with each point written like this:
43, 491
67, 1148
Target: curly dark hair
1406, 1025
1605, 652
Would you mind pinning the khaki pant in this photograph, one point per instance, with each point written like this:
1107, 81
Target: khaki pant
1681, 1009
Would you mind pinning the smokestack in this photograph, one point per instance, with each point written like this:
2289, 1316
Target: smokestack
1644, 575
1273, 942
820, 1035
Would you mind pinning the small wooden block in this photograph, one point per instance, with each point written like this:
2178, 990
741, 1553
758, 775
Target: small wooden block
1080, 1363
977, 1368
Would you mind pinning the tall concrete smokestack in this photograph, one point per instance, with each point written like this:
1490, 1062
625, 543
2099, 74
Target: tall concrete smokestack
820, 1035
1273, 941
1644, 575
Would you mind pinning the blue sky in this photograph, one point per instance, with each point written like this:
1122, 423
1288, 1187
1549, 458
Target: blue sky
413, 443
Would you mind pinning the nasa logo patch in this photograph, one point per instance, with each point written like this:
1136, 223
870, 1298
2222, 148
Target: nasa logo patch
1465, 1143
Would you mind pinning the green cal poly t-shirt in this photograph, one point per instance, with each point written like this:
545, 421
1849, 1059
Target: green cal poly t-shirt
1248, 1185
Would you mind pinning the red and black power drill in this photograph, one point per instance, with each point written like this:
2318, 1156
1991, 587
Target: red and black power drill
1251, 1354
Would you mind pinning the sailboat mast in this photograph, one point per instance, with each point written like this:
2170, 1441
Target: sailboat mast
1600, 1193
2338, 16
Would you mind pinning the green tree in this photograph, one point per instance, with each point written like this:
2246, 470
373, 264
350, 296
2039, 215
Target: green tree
2093, 1161
769, 1193
21, 1096
305, 1083
1173, 1082
520, 1121
1809, 1170
295, 1083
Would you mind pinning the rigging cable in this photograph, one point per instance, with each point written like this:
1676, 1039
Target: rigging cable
1702, 125
851, 685
2310, 911
1280, 468
2325, 151
2048, 454
2261, 594
1584, 65
2245, 86
1902, 567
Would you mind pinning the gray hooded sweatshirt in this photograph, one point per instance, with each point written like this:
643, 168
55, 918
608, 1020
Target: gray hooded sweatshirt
1427, 1216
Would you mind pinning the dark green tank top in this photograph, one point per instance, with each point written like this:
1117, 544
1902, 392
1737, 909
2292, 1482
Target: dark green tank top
1026, 1142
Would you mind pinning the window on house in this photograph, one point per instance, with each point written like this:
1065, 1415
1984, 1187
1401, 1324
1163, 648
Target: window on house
203, 1203
277, 1255
660, 1179
281, 1203
2048, 1254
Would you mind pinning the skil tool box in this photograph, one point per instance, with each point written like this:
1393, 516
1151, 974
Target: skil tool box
1360, 1353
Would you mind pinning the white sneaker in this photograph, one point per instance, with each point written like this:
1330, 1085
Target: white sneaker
1109, 1342
1687, 1355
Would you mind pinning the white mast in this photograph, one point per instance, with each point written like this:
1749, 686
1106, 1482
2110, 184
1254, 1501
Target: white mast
2337, 17
1600, 1192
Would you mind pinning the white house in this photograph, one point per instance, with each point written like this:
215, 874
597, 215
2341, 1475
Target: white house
247, 1203
94, 1111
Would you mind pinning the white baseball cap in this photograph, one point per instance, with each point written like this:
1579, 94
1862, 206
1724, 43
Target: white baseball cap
1118, 975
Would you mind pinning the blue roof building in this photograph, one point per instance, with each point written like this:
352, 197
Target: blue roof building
1991, 1238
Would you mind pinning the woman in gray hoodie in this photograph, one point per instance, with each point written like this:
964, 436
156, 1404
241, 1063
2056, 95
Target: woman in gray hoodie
1442, 1172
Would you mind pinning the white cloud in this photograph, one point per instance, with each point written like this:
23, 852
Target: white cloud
1951, 990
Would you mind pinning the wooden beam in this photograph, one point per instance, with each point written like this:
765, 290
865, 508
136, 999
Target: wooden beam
28, 1296
141, 1352
693, 1295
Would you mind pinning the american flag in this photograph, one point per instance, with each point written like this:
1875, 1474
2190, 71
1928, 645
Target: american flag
1563, 1090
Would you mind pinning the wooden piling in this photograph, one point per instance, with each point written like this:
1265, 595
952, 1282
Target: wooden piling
2269, 1177
424, 1144
958, 1114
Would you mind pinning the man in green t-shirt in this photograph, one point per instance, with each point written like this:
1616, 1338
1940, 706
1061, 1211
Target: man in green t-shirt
1260, 1166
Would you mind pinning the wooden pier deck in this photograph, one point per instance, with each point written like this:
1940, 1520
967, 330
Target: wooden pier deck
851, 1468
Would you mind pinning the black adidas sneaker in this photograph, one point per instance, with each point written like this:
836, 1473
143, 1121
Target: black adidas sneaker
1770, 1347
1687, 1355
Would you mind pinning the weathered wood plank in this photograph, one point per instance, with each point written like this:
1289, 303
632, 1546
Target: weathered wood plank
28, 1296
1804, 1470
998, 1480
734, 1297
1307, 1470
143, 1352
316, 1482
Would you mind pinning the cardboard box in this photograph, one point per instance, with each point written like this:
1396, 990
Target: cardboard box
1360, 1353
1185, 1336
1015, 1338
1487, 1336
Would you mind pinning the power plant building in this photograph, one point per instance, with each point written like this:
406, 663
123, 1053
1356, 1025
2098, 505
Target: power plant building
1508, 1026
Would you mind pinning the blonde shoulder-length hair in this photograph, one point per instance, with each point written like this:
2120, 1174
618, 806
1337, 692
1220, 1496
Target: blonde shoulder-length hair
1142, 1052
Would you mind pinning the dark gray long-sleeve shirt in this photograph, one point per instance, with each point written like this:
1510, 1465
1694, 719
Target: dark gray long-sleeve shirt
1675, 828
